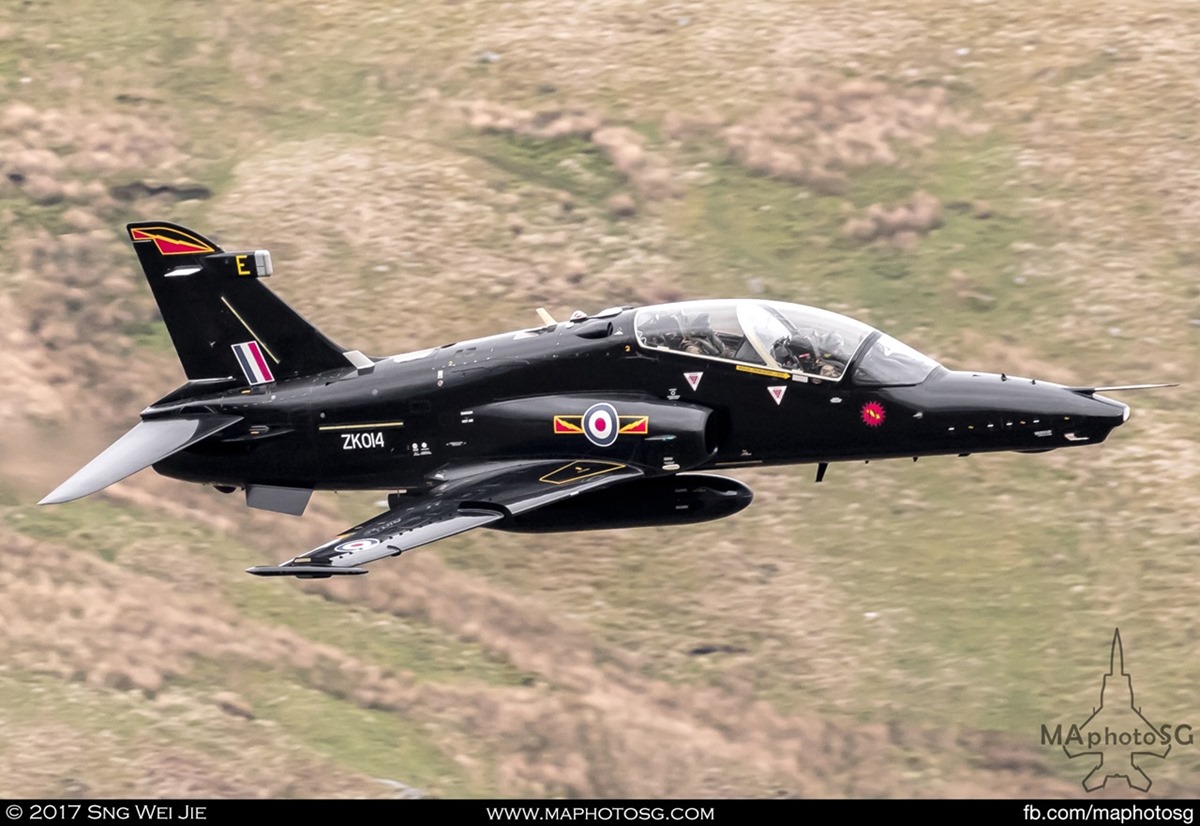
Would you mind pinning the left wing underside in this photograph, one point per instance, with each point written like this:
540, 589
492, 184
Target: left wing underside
468, 498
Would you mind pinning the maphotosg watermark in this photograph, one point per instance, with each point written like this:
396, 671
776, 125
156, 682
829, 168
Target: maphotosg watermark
1112, 814
1117, 737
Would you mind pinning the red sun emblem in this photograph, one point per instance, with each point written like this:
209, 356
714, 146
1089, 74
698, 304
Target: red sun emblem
873, 414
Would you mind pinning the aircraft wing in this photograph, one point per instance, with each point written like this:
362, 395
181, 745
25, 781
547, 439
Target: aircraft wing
467, 498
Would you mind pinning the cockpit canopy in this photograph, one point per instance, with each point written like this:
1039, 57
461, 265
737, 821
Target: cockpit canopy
803, 341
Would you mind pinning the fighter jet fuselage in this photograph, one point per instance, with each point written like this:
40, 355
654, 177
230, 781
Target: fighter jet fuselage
498, 398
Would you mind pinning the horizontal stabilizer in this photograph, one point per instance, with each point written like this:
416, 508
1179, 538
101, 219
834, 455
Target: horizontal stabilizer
149, 442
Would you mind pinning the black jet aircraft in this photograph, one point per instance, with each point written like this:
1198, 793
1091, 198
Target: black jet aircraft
610, 420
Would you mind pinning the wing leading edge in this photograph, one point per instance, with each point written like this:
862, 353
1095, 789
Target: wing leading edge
469, 498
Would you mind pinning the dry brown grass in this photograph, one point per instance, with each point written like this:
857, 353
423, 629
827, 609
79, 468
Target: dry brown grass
393, 242
72, 617
110, 629
900, 226
826, 128
722, 740
52, 155
647, 172
545, 124
417, 221
75, 301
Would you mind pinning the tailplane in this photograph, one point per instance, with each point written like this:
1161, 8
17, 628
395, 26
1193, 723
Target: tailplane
224, 322
149, 442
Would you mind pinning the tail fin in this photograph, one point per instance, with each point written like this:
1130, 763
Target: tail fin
223, 320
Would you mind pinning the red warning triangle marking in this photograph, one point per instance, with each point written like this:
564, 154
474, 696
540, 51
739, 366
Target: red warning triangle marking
693, 379
777, 392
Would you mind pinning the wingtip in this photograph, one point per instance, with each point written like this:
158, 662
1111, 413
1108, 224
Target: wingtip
54, 497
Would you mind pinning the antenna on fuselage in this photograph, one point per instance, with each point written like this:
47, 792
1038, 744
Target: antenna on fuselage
545, 316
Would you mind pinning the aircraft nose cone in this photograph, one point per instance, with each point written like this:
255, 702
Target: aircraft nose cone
1108, 411
1124, 408
1022, 411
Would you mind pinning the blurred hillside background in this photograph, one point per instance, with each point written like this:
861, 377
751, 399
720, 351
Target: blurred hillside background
1009, 186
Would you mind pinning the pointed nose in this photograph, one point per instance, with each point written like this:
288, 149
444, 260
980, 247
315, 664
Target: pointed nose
1019, 411
1105, 412
1124, 408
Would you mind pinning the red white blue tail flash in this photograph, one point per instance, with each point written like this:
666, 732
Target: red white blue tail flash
250, 357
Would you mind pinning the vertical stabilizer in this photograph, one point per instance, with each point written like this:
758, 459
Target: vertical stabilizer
223, 320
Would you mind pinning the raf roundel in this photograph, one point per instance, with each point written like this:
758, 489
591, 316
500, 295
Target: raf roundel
356, 545
600, 424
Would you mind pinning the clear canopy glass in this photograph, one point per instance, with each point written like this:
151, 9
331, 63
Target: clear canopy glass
804, 341
891, 362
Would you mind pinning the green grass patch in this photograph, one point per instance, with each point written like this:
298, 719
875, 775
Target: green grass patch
152, 336
571, 164
789, 240
397, 643
380, 744
148, 543
102, 527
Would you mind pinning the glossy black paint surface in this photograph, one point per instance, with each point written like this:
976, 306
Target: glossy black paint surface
399, 424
